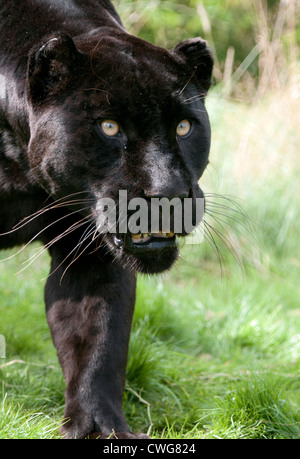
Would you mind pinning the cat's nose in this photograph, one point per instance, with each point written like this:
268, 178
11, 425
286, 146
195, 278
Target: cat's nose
168, 192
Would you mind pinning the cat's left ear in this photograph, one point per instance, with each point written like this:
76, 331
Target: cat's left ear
199, 58
51, 67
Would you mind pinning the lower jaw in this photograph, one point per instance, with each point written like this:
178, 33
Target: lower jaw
150, 244
153, 262
155, 255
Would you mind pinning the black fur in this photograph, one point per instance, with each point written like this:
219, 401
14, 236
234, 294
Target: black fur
65, 66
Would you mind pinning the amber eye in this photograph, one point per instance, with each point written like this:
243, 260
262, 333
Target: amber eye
183, 128
110, 128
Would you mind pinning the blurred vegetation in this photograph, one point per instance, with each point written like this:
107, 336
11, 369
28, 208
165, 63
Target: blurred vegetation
255, 42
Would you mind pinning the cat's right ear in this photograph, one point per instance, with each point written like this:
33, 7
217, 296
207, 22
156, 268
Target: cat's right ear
199, 58
51, 66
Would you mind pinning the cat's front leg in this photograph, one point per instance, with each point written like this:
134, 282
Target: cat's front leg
89, 311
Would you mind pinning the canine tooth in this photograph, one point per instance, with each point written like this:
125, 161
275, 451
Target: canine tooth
118, 242
136, 236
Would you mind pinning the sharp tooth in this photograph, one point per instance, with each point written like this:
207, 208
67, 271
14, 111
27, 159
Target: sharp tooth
164, 235
142, 236
118, 242
136, 236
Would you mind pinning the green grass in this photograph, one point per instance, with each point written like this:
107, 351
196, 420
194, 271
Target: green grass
215, 346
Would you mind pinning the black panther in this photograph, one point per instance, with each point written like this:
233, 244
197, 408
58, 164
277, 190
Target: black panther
87, 110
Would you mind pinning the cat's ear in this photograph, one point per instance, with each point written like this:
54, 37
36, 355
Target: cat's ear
50, 67
199, 58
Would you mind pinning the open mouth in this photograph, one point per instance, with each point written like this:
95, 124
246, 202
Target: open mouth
146, 242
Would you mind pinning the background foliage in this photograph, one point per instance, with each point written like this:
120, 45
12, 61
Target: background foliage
245, 36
